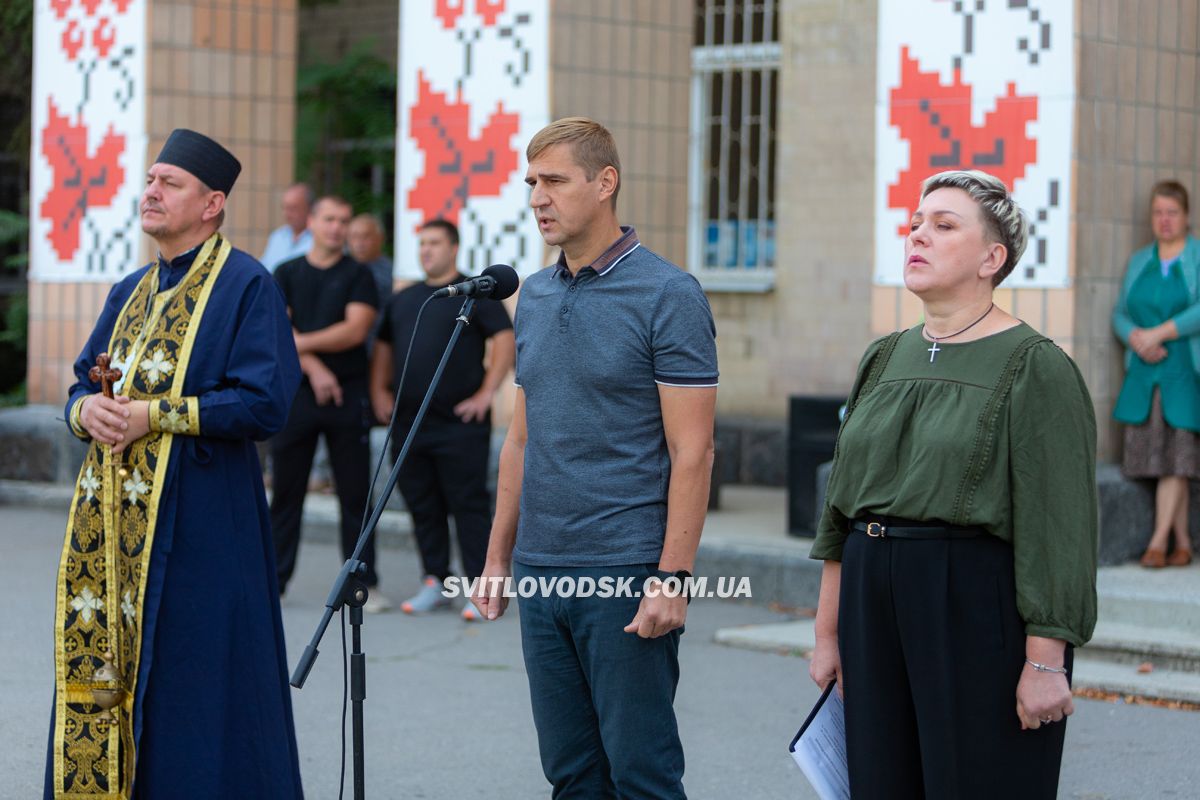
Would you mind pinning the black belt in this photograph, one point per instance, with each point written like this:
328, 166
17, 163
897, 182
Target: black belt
878, 529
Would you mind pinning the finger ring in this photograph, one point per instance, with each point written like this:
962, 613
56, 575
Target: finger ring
1046, 720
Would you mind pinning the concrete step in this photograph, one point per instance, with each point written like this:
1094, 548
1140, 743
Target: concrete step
1091, 672
1160, 598
1128, 643
1124, 679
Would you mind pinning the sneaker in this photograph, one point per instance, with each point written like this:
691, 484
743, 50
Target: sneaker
377, 602
470, 613
430, 598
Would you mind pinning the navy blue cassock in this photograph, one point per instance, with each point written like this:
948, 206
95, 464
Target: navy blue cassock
212, 711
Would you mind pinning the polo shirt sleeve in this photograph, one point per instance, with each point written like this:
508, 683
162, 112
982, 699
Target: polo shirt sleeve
684, 336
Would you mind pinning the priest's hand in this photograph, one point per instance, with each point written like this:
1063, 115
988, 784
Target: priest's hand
138, 423
106, 420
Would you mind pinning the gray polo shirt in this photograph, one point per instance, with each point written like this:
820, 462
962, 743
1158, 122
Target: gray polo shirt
592, 351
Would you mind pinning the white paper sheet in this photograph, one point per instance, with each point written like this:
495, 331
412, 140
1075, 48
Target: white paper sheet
820, 747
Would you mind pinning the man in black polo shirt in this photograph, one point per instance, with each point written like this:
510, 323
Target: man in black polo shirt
446, 468
332, 301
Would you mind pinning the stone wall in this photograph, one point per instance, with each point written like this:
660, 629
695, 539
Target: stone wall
1138, 122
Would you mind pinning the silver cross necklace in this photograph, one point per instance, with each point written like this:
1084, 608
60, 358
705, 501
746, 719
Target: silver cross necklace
933, 351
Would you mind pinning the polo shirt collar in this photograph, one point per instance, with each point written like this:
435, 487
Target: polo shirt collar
616, 252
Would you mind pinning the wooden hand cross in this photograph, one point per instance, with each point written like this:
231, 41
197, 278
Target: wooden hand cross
105, 374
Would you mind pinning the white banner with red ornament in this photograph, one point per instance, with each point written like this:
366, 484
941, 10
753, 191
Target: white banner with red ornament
473, 90
88, 139
969, 85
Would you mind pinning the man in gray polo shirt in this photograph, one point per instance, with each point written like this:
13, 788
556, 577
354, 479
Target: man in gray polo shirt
604, 474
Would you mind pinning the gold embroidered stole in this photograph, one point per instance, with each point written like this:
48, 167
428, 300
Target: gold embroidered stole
110, 536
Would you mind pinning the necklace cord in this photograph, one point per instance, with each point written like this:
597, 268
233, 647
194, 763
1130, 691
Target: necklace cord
925, 330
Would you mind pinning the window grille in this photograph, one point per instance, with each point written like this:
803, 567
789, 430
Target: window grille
735, 88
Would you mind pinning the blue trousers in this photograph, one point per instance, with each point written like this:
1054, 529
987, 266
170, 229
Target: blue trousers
602, 698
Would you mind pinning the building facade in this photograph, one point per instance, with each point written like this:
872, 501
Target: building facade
772, 147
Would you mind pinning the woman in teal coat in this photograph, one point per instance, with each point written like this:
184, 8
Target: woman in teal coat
1157, 317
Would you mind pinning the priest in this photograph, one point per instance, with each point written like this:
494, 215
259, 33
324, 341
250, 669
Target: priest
170, 672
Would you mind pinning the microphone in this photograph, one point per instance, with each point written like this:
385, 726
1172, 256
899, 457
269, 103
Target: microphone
497, 282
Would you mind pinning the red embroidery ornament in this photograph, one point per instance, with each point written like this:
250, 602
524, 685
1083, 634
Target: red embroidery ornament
458, 167
490, 10
448, 11
80, 181
104, 37
935, 119
72, 39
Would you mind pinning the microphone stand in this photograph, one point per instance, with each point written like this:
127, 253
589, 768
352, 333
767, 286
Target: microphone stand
349, 589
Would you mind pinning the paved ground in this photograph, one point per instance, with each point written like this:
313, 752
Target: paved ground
448, 706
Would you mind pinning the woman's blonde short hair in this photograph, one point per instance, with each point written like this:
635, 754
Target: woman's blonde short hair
1004, 220
592, 146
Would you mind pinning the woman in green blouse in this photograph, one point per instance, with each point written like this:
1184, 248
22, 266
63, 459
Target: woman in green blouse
1157, 316
959, 531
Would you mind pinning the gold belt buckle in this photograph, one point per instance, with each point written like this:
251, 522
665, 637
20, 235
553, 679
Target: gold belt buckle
876, 530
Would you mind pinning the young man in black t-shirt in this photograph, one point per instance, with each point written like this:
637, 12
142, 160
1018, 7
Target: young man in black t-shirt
332, 301
446, 468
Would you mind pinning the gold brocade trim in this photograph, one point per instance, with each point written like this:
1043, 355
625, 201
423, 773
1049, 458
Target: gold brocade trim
110, 534
76, 419
176, 416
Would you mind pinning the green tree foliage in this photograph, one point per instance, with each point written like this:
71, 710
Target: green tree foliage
346, 127
16, 91
16, 73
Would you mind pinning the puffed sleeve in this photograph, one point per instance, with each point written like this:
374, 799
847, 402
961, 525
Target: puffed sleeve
1052, 457
834, 527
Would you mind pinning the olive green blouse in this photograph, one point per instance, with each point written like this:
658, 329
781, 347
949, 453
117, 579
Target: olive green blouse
999, 434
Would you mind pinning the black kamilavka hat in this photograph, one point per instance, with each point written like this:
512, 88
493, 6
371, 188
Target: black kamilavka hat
201, 156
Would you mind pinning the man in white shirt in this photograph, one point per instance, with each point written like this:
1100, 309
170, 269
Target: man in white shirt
291, 239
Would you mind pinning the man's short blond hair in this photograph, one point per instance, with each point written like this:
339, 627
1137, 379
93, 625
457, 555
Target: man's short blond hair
592, 146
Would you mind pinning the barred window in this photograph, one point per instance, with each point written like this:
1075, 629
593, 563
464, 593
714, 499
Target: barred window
735, 87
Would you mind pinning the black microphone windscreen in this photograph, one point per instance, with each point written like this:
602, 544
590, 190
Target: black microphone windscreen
506, 280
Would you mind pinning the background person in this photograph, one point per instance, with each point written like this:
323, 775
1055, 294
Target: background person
1157, 317
332, 301
960, 530
292, 239
365, 242
446, 470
